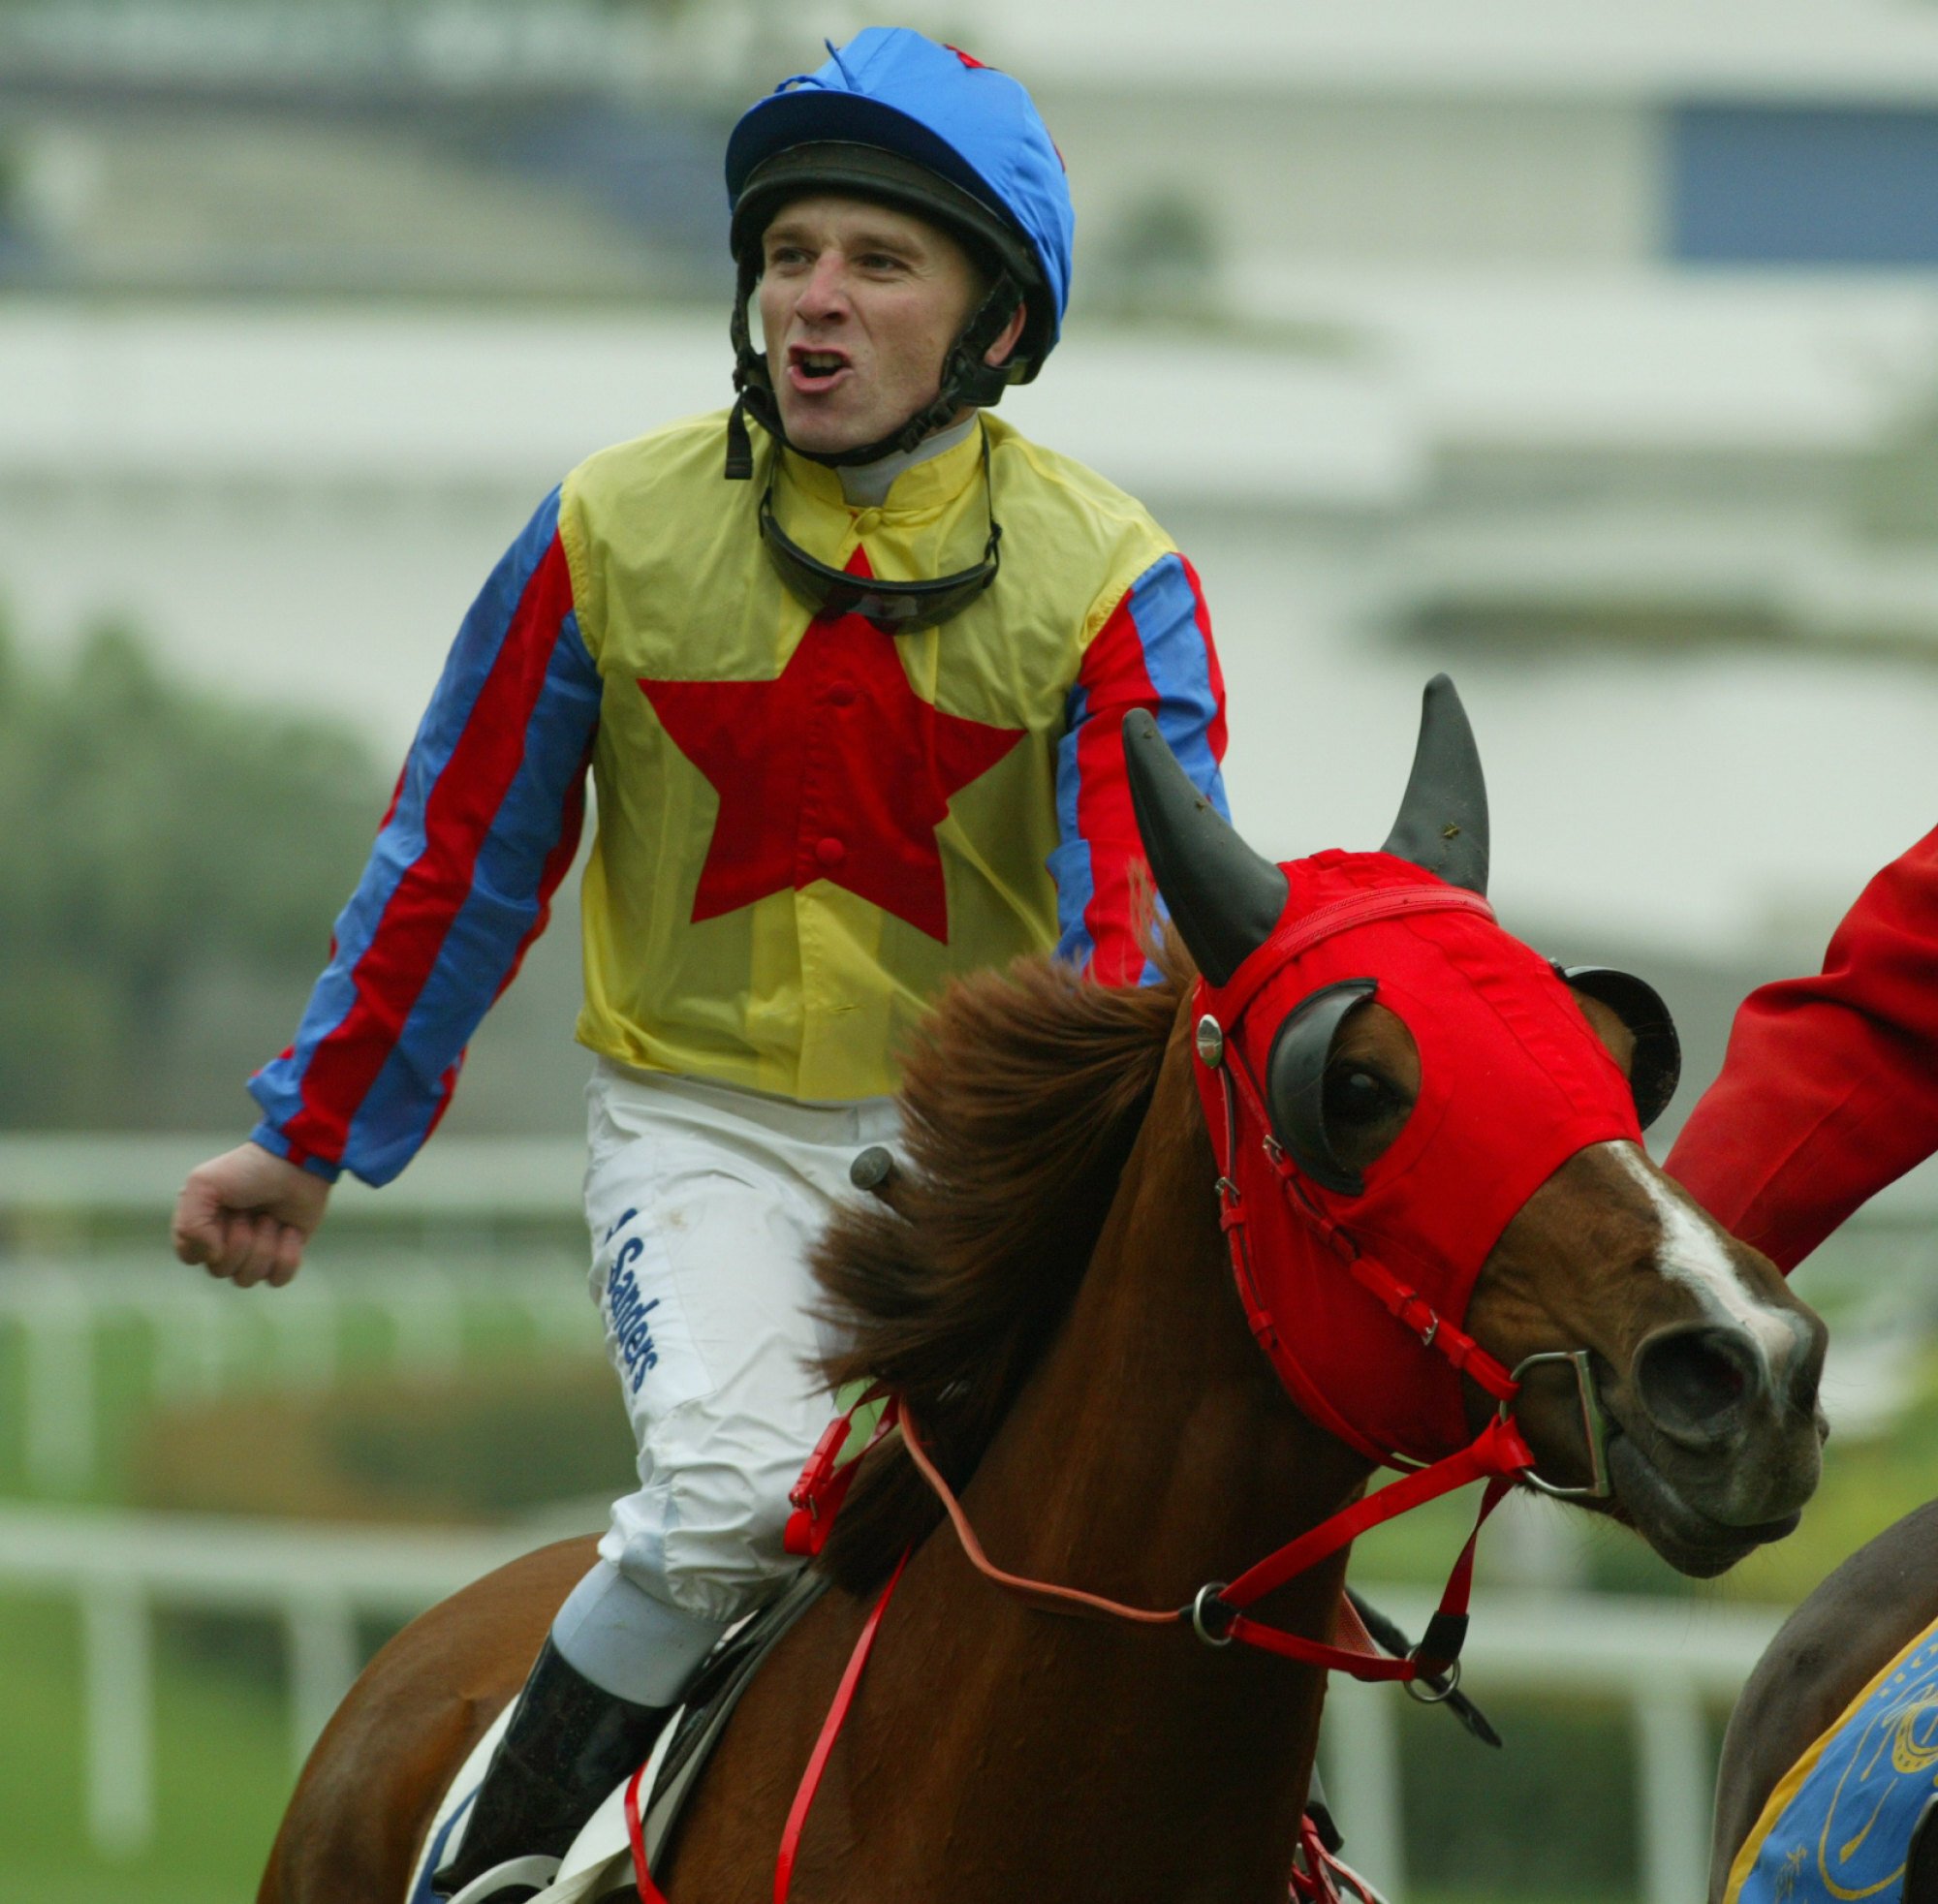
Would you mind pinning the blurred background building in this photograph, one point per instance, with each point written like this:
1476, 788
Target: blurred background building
1590, 354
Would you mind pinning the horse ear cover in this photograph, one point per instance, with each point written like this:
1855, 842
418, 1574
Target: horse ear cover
1442, 817
1225, 898
1657, 1065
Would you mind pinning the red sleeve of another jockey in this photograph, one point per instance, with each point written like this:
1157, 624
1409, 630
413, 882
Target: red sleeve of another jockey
1829, 1090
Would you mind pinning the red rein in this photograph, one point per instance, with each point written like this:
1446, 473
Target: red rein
810, 1779
1215, 1614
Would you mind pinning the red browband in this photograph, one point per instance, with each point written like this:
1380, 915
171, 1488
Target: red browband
1297, 935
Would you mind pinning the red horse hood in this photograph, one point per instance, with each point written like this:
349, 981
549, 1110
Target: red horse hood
1513, 1082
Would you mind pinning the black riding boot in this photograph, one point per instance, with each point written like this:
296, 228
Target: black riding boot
568, 1745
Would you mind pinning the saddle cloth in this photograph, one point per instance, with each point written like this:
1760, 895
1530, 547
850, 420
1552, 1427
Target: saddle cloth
600, 1862
1839, 1824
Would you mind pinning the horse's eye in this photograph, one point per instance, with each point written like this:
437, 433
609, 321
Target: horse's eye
1358, 1098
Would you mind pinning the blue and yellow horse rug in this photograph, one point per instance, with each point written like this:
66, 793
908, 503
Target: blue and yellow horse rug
1841, 1821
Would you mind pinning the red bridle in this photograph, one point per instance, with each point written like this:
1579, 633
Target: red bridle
1236, 1116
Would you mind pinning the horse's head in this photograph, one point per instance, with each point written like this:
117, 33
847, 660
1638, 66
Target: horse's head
1430, 1141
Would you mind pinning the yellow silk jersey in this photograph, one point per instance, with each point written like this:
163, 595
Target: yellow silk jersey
807, 988
807, 825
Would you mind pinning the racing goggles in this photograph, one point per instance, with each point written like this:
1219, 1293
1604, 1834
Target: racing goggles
895, 608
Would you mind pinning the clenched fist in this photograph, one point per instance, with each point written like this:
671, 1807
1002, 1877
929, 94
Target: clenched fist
247, 1215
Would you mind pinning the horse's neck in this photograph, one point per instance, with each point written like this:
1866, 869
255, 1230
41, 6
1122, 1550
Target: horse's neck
1152, 1451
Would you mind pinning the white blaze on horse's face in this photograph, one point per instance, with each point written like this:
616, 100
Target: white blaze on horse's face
1706, 1364
1693, 1253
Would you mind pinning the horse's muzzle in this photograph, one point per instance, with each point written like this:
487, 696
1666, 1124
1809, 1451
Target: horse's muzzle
1721, 1438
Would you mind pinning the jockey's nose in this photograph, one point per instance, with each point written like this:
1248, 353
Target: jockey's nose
823, 295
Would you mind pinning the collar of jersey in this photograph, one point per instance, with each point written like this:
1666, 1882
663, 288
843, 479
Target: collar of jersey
924, 490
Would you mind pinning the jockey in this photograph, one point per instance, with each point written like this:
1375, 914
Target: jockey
848, 664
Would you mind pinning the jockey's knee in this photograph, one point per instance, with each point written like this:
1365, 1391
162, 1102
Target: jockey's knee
709, 1542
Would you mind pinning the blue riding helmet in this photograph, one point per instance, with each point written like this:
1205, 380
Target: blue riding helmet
894, 116
893, 89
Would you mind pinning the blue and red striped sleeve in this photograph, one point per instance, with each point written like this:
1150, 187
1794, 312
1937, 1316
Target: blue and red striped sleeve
483, 826
1154, 652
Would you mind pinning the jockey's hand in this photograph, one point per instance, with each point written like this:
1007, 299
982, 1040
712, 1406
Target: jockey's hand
247, 1215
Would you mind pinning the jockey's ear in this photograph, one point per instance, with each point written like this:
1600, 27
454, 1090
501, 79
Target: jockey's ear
1007, 338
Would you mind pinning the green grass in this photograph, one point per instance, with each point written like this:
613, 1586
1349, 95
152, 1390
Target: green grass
222, 1772
95, 1884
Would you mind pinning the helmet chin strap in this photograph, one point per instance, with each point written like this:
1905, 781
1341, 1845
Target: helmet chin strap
967, 379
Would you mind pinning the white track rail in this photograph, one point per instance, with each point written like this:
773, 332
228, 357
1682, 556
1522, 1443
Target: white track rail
119, 1567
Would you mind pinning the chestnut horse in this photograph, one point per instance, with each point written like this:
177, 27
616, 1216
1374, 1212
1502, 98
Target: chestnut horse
1850, 1627
1054, 1301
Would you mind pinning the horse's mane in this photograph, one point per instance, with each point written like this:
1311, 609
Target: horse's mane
1020, 1101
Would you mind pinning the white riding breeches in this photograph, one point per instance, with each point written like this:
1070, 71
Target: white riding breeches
704, 1202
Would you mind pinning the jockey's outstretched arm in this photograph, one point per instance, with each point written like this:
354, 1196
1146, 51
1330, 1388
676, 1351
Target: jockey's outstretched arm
483, 826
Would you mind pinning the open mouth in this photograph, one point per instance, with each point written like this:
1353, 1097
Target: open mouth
1691, 1540
812, 371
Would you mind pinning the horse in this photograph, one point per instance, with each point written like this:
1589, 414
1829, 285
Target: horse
1873, 1607
1161, 1287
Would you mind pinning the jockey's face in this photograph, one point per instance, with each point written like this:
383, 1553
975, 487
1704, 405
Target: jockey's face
858, 305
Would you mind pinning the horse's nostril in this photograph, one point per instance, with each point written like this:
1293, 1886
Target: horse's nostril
1693, 1382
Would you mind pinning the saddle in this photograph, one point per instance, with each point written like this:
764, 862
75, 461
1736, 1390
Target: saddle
600, 1861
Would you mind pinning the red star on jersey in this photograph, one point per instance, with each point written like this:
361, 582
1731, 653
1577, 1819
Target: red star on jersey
839, 770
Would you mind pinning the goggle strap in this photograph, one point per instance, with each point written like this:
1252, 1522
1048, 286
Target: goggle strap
829, 591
